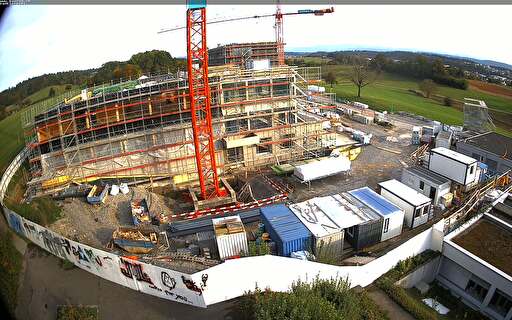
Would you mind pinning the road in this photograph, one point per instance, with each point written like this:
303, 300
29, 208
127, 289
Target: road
46, 285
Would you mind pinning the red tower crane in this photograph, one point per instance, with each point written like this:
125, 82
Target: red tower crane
279, 35
199, 88
200, 109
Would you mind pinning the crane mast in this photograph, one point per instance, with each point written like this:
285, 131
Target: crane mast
200, 108
279, 35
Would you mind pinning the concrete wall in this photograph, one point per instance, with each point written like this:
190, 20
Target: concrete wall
222, 282
425, 273
458, 265
503, 165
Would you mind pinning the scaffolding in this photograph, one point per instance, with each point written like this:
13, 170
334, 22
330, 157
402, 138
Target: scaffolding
243, 54
259, 117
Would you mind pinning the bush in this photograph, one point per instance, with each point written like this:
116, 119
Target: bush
387, 283
322, 299
77, 313
10, 267
448, 102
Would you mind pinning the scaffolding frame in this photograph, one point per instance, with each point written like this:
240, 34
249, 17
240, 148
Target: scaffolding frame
146, 132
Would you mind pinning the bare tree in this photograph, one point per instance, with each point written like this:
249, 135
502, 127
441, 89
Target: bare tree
428, 87
330, 78
362, 76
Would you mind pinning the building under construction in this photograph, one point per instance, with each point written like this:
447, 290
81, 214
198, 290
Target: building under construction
245, 55
141, 130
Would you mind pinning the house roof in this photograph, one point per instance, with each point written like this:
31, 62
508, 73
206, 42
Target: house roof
493, 142
454, 155
428, 175
405, 192
375, 201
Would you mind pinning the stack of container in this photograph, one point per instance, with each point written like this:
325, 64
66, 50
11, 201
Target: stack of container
285, 229
231, 237
416, 135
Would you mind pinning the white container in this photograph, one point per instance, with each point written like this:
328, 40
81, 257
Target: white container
114, 190
262, 64
444, 139
415, 205
360, 105
231, 237
325, 220
453, 165
123, 187
321, 169
427, 182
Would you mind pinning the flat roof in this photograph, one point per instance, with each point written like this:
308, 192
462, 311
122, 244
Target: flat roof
454, 155
327, 215
490, 242
375, 201
428, 175
405, 192
228, 225
444, 135
493, 142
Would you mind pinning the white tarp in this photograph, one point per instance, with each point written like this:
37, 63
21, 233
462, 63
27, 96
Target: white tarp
321, 169
327, 215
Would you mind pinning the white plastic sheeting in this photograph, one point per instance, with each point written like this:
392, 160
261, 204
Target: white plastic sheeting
321, 169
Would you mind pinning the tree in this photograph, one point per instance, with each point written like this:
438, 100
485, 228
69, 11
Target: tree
362, 76
330, 78
51, 93
428, 87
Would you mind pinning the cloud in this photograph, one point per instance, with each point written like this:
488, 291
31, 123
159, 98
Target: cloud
41, 39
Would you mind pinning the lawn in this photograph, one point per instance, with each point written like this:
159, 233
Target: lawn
391, 92
11, 139
44, 93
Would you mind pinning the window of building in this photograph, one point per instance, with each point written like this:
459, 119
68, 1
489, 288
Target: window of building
471, 169
425, 209
288, 143
235, 154
264, 148
500, 302
477, 288
422, 185
417, 212
386, 225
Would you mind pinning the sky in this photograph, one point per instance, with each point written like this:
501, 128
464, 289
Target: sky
41, 39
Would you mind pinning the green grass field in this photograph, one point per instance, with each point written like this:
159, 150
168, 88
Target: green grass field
11, 139
43, 93
391, 92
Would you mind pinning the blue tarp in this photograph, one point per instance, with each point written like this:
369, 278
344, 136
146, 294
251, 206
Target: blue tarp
375, 201
285, 229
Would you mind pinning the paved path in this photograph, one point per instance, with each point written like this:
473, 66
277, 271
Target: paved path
46, 285
394, 311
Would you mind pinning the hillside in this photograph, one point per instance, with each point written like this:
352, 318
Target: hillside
393, 92
33, 89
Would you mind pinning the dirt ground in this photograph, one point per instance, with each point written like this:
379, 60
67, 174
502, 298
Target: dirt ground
383, 159
94, 224
490, 88
46, 285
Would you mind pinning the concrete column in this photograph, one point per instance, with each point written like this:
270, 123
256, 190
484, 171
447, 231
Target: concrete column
488, 297
509, 315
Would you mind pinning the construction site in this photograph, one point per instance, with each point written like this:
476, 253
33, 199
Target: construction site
190, 169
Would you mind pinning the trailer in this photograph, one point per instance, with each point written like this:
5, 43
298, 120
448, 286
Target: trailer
98, 194
427, 182
140, 212
454, 166
392, 215
132, 240
415, 205
324, 220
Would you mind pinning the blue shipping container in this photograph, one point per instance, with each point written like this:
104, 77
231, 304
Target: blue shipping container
285, 229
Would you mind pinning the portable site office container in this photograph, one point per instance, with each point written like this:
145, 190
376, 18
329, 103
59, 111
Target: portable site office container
231, 237
393, 216
285, 229
453, 165
367, 230
324, 221
415, 205
444, 139
427, 182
